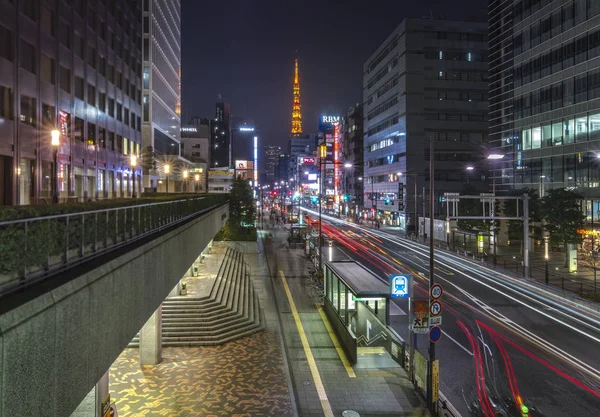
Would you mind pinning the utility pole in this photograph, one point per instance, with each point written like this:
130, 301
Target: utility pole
525, 235
431, 404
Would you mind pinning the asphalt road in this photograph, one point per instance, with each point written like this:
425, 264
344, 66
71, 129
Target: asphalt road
506, 342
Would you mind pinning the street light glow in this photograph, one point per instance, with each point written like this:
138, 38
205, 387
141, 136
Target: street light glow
133, 160
495, 156
348, 165
167, 169
197, 177
470, 168
399, 174
55, 137
185, 174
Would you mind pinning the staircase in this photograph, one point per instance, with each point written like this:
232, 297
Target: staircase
230, 311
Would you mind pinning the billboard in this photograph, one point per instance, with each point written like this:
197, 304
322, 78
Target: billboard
326, 122
307, 161
241, 164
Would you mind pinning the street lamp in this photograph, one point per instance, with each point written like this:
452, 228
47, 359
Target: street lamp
133, 163
348, 165
494, 157
197, 178
55, 141
185, 177
167, 169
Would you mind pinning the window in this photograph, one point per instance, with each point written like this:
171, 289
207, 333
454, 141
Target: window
92, 57
580, 11
568, 92
111, 141
567, 16
64, 34
568, 55
581, 46
28, 57
581, 129
48, 116
91, 134
546, 136
125, 146
65, 79
6, 102
79, 46
536, 138
102, 65
119, 112
102, 101
557, 134
526, 139
111, 107
47, 21
79, 88
557, 169
91, 99
48, 69
146, 108
111, 73
581, 88
594, 126
29, 8
569, 131
78, 133
593, 84
132, 120
28, 110
146, 49
126, 115
6, 49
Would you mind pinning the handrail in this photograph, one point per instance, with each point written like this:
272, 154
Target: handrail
56, 216
35, 248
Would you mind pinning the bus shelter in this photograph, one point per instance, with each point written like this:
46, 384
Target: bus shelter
356, 302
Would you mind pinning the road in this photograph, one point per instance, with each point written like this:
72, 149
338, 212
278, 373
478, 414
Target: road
506, 343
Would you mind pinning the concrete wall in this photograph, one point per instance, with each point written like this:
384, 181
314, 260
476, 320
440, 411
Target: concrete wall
55, 348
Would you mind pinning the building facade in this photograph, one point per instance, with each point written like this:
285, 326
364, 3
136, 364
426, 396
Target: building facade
271, 162
544, 90
195, 147
74, 68
161, 102
352, 139
426, 82
221, 136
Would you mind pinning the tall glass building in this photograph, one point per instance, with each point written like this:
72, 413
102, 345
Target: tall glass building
544, 91
75, 67
162, 84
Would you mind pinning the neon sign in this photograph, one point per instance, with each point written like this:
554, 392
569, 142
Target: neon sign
330, 119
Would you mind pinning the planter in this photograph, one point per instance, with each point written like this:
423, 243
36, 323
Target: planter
183, 291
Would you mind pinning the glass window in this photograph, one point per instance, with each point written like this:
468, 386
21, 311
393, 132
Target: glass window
557, 59
28, 57
48, 116
568, 92
64, 34
526, 139
557, 134
91, 136
6, 102
146, 110
343, 298
25, 181
593, 84
536, 138
336, 296
594, 42
28, 110
546, 170
557, 169
569, 132
581, 168
569, 170
79, 88
6, 48
546, 136
580, 11
125, 146
65, 79
48, 68
47, 21
568, 54
581, 47
567, 16
91, 95
594, 126
581, 129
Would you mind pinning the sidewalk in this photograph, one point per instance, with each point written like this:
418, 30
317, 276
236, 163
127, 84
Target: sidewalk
324, 385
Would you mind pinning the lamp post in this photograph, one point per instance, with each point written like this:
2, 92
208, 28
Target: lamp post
494, 157
322, 157
167, 169
133, 162
55, 141
185, 177
196, 178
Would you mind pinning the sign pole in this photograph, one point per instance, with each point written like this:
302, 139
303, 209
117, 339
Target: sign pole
411, 345
430, 397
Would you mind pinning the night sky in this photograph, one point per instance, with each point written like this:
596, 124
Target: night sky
245, 50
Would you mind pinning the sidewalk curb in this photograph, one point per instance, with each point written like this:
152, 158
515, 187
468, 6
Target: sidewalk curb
271, 290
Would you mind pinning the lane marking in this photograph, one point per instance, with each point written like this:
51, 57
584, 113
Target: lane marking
336, 343
314, 371
457, 343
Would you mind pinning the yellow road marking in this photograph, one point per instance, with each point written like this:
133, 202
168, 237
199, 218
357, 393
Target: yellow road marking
327, 411
336, 343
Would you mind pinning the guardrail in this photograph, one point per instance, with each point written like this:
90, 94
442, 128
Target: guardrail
34, 248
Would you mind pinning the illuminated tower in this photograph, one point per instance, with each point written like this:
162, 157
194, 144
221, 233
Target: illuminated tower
296, 113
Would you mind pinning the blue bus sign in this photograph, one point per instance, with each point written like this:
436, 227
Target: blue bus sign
399, 286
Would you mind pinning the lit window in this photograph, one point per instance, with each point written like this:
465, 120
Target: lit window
469, 56
441, 55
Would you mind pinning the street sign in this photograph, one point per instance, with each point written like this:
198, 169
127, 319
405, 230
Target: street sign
435, 321
420, 316
435, 333
399, 286
436, 291
435, 380
435, 308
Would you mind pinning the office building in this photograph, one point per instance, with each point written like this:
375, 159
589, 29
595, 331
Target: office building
271, 162
76, 70
351, 137
242, 138
161, 124
426, 82
330, 164
195, 147
544, 90
221, 136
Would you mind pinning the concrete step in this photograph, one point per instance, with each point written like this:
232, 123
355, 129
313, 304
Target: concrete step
199, 333
216, 339
196, 322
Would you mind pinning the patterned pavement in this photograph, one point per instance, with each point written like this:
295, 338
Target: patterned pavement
245, 377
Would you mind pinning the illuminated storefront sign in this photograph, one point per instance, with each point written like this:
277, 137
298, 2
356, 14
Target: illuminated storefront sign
246, 129
588, 232
64, 122
307, 161
255, 159
330, 119
189, 129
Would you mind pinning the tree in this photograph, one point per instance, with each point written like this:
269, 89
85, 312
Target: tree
509, 208
148, 159
560, 209
241, 205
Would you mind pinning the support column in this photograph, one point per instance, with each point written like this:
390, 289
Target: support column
151, 339
91, 406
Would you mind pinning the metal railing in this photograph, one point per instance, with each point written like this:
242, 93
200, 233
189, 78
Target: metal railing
34, 248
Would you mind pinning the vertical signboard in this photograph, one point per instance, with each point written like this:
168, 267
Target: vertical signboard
435, 380
420, 316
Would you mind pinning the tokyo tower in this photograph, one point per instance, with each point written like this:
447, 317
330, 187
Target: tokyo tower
296, 112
